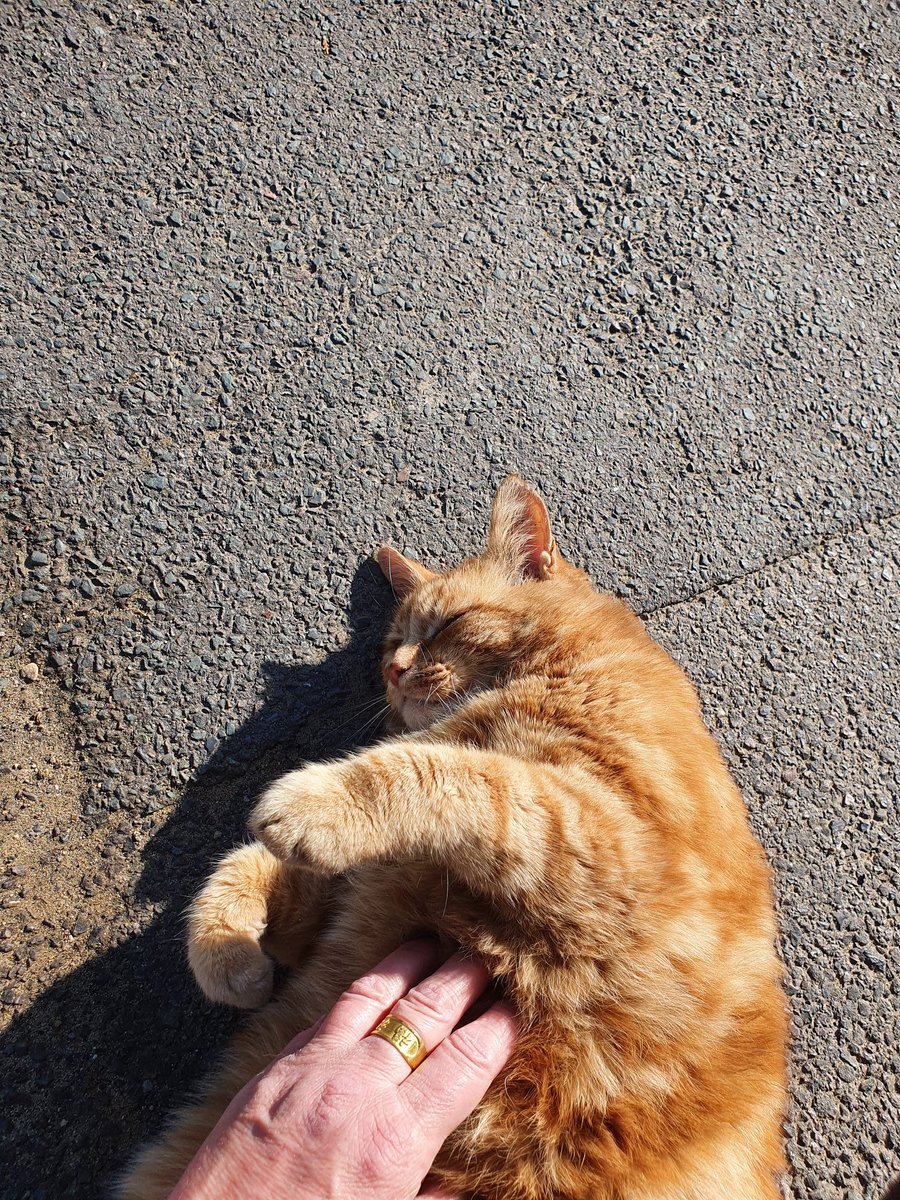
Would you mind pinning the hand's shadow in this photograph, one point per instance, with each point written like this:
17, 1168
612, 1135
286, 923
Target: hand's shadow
95, 1064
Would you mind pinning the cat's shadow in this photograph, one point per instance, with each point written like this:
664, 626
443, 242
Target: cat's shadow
91, 1069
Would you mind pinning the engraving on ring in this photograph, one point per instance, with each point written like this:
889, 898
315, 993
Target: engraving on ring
404, 1039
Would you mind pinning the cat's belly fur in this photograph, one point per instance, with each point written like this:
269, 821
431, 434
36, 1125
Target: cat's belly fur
534, 1151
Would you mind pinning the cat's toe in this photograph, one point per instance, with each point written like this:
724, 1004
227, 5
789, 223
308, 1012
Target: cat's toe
304, 818
232, 971
272, 824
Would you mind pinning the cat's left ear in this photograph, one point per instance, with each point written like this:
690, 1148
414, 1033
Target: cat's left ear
402, 573
519, 535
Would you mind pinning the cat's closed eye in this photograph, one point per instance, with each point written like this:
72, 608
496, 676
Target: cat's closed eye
446, 625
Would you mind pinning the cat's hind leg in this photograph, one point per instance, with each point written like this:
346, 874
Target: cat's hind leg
252, 903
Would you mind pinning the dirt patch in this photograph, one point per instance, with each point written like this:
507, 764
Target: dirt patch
56, 897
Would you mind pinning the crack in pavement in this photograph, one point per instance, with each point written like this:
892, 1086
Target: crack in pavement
814, 547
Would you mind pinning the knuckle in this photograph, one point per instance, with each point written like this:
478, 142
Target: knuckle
259, 1115
471, 1051
372, 990
433, 1001
330, 1108
256, 1123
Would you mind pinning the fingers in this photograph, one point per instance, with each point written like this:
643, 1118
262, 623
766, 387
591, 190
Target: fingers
370, 998
449, 1084
431, 1008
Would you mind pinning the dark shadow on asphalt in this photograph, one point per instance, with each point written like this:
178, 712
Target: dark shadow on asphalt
93, 1067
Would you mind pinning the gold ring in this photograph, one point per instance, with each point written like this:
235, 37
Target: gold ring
403, 1038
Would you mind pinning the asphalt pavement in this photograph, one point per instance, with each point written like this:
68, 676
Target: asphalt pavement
279, 283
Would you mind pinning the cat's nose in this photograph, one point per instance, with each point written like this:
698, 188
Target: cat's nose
394, 672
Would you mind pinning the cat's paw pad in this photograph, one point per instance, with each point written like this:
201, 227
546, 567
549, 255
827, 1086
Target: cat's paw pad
302, 819
232, 970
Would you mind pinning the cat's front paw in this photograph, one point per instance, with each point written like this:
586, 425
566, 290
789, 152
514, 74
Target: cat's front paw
306, 818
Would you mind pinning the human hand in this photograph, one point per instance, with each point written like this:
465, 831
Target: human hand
339, 1114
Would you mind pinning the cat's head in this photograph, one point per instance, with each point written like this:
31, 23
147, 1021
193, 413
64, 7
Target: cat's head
460, 631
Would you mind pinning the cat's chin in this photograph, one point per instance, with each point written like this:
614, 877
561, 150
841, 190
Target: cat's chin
416, 716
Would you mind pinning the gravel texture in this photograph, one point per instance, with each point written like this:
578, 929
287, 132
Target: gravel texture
277, 284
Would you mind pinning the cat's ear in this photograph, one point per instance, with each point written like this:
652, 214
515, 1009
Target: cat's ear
519, 534
402, 573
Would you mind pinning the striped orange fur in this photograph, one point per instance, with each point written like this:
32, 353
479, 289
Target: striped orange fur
556, 806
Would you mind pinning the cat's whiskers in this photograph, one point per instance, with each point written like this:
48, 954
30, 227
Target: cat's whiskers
436, 684
383, 711
456, 700
378, 700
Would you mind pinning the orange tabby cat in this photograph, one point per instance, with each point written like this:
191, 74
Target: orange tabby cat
559, 809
